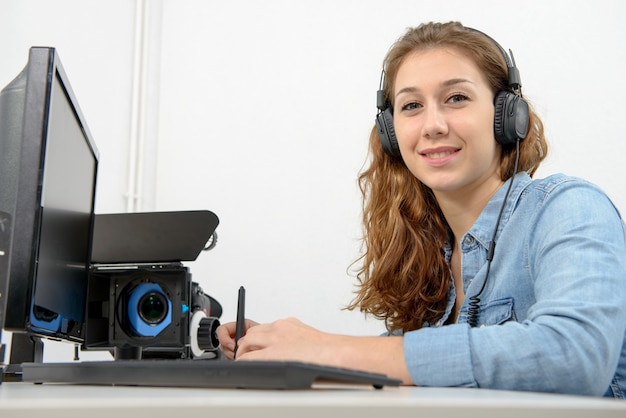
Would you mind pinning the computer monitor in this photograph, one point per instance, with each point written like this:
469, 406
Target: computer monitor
48, 169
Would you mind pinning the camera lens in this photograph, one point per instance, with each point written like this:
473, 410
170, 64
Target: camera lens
152, 308
148, 311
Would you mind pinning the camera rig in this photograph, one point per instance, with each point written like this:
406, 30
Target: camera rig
141, 300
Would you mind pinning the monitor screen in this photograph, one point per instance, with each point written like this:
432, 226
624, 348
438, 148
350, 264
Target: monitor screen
48, 168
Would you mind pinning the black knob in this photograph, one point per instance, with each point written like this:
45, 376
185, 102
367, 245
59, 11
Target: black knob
207, 339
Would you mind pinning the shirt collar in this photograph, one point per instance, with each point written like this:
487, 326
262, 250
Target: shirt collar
482, 230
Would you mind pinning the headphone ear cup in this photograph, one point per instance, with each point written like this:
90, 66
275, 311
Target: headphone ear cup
387, 133
511, 120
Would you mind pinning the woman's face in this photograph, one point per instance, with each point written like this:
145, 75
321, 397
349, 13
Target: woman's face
443, 119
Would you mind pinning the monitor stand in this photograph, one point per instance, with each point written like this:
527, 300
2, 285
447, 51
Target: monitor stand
24, 349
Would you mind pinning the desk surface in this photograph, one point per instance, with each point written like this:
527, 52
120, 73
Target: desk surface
50, 400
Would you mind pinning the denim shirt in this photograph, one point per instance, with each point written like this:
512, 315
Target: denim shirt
553, 311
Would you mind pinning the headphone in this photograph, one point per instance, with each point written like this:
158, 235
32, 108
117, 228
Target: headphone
511, 118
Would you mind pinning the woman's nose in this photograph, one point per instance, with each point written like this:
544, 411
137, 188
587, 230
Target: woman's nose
435, 124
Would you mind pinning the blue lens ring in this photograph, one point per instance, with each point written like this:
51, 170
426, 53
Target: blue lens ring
140, 326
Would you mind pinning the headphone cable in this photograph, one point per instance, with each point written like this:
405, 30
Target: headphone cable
474, 309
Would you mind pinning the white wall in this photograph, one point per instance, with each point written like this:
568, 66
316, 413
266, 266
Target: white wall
260, 111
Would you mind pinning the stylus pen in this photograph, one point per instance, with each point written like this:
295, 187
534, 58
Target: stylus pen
241, 316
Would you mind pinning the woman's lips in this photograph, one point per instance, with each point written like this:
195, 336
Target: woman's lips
439, 156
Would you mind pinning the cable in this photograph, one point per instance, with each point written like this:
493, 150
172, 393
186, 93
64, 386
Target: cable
474, 309
211, 243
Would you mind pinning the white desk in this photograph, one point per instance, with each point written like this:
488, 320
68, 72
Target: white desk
27, 400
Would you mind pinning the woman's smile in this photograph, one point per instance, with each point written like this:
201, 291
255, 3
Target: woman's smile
439, 156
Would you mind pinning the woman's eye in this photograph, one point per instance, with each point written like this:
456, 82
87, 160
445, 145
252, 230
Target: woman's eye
457, 98
411, 106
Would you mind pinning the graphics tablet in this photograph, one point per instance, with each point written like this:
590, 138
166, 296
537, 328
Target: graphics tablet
200, 373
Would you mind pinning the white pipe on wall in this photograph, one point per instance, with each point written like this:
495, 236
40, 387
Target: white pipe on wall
138, 109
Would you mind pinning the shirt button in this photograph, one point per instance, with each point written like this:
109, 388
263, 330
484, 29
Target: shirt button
468, 240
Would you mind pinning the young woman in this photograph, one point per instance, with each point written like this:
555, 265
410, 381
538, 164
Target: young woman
483, 276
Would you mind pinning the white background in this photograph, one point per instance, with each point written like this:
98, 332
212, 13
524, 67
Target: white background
260, 111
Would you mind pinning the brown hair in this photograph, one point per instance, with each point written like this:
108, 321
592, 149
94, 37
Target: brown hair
404, 278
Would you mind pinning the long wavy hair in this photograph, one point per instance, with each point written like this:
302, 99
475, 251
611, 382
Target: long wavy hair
403, 276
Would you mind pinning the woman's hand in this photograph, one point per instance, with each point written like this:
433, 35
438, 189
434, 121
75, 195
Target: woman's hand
291, 340
226, 336
285, 340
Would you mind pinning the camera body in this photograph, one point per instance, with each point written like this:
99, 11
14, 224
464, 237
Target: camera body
148, 309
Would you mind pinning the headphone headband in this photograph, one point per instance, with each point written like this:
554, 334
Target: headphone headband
514, 80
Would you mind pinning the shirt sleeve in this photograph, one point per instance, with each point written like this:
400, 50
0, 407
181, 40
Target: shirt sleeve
440, 356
